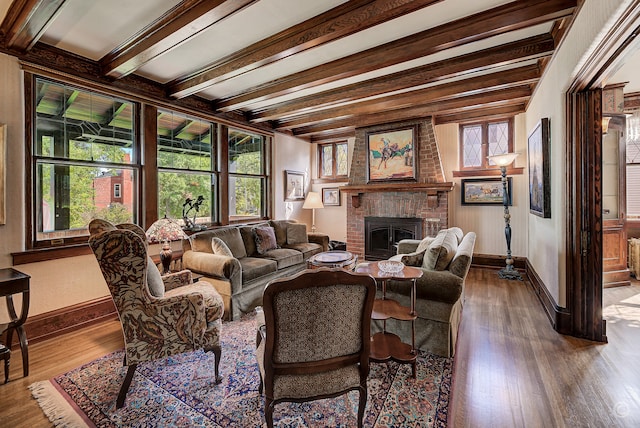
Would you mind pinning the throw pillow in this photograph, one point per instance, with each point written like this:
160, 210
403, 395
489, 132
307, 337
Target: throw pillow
441, 251
297, 234
424, 244
413, 259
265, 239
154, 279
220, 248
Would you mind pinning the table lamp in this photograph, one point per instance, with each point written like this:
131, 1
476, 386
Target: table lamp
165, 230
312, 202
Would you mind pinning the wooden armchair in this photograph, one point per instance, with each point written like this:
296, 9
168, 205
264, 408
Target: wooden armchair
317, 337
181, 317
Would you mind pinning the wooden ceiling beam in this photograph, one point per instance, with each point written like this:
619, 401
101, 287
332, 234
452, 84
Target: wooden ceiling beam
183, 22
479, 84
499, 20
26, 22
483, 113
500, 97
333, 135
339, 22
510, 53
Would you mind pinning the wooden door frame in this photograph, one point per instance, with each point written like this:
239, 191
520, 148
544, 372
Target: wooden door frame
583, 175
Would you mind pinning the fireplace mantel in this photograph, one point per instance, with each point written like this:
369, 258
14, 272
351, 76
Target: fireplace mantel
431, 189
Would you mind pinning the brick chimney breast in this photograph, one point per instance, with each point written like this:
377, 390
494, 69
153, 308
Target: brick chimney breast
427, 204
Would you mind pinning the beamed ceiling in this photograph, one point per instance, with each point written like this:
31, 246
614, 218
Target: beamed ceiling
316, 69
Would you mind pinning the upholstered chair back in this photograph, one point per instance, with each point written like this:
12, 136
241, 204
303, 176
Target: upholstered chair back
317, 340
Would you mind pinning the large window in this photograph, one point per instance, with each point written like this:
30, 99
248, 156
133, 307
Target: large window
332, 160
83, 149
186, 166
247, 175
86, 162
479, 140
633, 166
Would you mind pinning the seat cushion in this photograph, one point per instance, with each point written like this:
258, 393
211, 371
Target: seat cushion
308, 249
285, 257
265, 239
254, 267
214, 306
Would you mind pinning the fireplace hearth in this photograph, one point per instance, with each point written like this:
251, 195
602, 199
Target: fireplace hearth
382, 235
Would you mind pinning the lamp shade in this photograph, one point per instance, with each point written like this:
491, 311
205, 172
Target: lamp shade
503, 160
313, 200
163, 230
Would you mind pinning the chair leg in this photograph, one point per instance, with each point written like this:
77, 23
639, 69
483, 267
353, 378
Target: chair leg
217, 352
268, 412
261, 386
362, 404
125, 386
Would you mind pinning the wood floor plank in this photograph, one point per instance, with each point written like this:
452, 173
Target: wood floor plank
511, 368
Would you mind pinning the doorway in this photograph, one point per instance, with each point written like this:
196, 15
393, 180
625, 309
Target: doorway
584, 175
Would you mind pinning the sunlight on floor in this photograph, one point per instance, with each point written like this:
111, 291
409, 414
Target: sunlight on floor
627, 310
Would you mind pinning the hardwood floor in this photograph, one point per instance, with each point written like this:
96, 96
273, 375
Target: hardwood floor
511, 368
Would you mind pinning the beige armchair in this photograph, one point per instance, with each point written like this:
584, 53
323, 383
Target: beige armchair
181, 317
316, 337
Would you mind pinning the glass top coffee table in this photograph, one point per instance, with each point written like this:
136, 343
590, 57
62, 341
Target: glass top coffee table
333, 259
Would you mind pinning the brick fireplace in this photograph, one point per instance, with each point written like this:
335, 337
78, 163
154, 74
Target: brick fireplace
425, 198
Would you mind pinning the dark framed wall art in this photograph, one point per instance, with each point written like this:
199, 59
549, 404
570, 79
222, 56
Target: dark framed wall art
485, 191
539, 169
391, 154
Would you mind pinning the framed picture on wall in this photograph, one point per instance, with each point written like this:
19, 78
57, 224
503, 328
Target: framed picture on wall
331, 196
293, 186
539, 170
391, 154
485, 191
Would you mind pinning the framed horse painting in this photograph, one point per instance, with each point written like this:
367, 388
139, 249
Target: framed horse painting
391, 154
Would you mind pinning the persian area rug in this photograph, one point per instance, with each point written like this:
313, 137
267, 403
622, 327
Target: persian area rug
179, 392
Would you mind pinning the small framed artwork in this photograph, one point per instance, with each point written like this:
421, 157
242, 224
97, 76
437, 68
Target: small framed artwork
485, 191
331, 196
539, 170
391, 154
293, 186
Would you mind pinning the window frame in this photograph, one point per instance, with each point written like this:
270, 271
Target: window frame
144, 165
33, 160
485, 166
264, 176
334, 176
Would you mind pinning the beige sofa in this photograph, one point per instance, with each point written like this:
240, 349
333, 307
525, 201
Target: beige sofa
445, 261
240, 268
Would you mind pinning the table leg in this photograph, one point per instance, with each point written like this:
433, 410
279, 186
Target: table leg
17, 324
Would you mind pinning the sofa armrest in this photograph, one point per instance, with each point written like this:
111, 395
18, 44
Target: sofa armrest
213, 265
440, 286
319, 238
406, 246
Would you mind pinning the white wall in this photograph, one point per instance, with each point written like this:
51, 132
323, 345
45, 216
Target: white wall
547, 252
332, 220
487, 221
293, 154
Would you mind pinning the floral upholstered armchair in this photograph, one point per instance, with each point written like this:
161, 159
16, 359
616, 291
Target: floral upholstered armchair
315, 339
160, 316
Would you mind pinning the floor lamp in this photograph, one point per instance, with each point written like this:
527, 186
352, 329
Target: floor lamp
312, 202
508, 272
